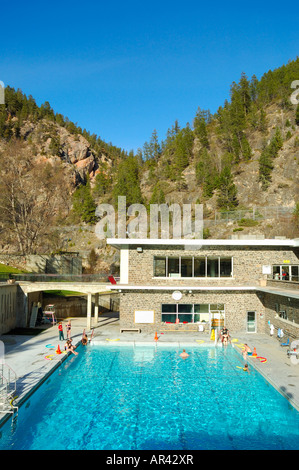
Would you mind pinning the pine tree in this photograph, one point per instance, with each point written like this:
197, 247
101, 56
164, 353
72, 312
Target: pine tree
183, 144
253, 88
265, 168
152, 149
227, 198
127, 181
206, 173
262, 122
245, 92
158, 196
54, 146
200, 127
92, 261
155, 148
296, 215
102, 184
276, 143
266, 159
246, 149
297, 115
83, 204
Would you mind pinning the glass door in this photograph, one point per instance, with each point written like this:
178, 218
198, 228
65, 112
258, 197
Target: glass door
251, 322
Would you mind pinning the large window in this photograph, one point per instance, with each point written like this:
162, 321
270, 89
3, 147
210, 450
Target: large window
286, 272
187, 267
199, 267
191, 313
160, 267
192, 266
174, 267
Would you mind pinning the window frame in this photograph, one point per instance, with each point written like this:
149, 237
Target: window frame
206, 259
277, 276
210, 312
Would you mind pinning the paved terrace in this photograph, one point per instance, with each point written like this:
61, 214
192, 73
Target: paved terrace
26, 354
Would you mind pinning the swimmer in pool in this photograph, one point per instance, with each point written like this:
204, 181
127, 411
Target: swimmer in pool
184, 355
246, 351
84, 339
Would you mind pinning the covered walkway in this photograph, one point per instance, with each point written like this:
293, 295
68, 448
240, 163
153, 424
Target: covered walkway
91, 289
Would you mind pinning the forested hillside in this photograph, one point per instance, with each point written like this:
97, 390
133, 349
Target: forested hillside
246, 155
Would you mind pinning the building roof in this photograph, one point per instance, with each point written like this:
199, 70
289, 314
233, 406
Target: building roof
279, 242
291, 293
181, 288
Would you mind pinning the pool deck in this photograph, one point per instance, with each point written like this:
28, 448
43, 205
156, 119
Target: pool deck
26, 354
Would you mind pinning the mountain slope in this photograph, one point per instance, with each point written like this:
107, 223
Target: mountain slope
237, 163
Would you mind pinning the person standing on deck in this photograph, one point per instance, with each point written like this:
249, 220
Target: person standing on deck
60, 329
68, 329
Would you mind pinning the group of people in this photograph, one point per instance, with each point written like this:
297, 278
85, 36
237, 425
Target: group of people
68, 330
68, 345
224, 336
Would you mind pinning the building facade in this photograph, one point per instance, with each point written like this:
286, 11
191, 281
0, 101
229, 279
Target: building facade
244, 284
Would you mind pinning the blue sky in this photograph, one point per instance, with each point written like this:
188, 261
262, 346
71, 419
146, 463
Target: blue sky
122, 69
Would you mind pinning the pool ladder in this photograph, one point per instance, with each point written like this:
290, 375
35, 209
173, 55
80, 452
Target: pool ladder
8, 386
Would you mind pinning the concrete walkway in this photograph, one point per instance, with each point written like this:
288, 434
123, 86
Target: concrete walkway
26, 354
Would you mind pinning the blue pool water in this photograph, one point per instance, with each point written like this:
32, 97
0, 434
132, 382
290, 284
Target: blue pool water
147, 398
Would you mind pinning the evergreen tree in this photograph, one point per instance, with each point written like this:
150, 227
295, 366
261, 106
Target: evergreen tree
102, 183
158, 196
227, 198
266, 159
276, 143
154, 146
262, 122
297, 115
152, 149
200, 127
92, 261
83, 204
54, 146
183, 144
127, 181
146, 151
206, 173
253, 88
265, 168
245, 90
296, 215
245, 148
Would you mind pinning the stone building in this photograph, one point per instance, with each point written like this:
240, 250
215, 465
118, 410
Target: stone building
168, 284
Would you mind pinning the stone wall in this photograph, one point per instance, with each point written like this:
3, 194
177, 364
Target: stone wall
273, 305
247, 263
236, 306
8, 307
51, 264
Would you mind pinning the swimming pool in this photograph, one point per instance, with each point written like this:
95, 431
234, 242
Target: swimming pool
148, 398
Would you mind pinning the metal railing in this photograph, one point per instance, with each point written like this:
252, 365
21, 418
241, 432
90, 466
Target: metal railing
255, 214
280, 277
8, 386
32, 277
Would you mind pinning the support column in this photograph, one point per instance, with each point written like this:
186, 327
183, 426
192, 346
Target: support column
26, 309
96, 308
89, 304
